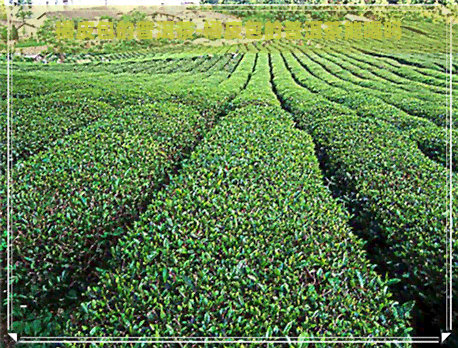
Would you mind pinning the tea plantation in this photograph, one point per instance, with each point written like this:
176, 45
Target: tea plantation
287, 190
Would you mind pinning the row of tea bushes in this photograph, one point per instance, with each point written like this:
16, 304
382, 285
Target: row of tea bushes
107, 65
28, 84
432, 140
206, 68
405, 102
78, 195
202, 64
134, 90
135, 67
412, 49
435, 143
428, 72
407, 76
376, 170
195, 64
308, 106
245, 241
208, 92
290, 75
259, 89
192, 73
231, 73
399, 202
178, 64
307, 74
210, 64
36, 122
414, 60
366, 75
240, 76
138, 54
424, 93
74, 195
412, 40
366, 105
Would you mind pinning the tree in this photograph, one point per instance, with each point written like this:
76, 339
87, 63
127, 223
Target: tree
24, 11
3, 14
4, 33
47, 31
14, 33
134, 17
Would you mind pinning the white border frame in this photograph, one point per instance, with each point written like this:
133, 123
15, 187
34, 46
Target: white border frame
233, 340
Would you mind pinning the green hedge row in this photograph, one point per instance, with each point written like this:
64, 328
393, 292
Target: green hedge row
240, 77
201, 64
336, 100
125, 89
429, 138
36, 122
428, 72
406, 102
426, 76
432, 141
309, 75
414, 60
72, 196
176, 86
178, 64
307, 105
78, 195
368, 75
39, 121
375, 171
245, 241
209, 65
205, 67
415, 75
27, 84
435, 143
410, 45
425, 71
399, 201
259, 89
208, 92
199, 69
134, 67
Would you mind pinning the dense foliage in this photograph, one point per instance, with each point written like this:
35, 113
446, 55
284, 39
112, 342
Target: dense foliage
285, 189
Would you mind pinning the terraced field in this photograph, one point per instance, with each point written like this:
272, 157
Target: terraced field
290, 191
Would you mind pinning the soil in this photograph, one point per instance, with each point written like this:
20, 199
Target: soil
32, 50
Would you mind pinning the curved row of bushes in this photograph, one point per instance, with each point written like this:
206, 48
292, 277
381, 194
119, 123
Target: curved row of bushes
417, 60
363, 103
365, 74
397, 196
85, 184
399, 202
38, 121
431, 139
406, 102
245, 241
426, 77
301, 101
259, 90
75, 198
